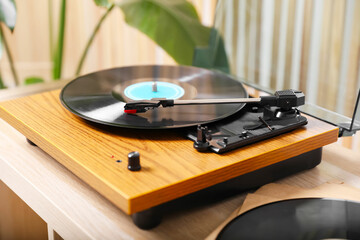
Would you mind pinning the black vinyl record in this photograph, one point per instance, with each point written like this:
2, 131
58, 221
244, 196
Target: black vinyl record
100, 97
308, 218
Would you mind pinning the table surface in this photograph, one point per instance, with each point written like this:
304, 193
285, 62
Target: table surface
77, 211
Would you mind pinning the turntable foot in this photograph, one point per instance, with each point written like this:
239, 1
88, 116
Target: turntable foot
30, 142
147, 219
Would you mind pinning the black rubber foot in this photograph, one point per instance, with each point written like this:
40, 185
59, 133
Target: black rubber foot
147, 219
31, 143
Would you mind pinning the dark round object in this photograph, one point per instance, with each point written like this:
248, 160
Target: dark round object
310, 218
201, 146
98, 97
147, 219
31, 142
134, 161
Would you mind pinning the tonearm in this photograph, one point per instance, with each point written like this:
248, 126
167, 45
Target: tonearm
284, 99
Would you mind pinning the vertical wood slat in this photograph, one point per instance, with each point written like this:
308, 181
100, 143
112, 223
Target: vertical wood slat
357, 40
228, 31
349, 14
325, 48
241, 39
314, 52
289, 44
334, 54
207, 12
252, 41
267, 26
258, 41
353, 67
358, 74
275, 42
297, 45
159, 55
280, 71
306, 44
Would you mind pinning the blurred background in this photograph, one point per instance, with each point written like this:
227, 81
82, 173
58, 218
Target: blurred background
311, 45
116, 44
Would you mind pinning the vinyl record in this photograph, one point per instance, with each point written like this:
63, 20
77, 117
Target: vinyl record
310, 218
100, 97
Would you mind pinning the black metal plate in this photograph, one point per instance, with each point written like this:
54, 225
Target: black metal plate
233, 128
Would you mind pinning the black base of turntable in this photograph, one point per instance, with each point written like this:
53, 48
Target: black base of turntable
152, 217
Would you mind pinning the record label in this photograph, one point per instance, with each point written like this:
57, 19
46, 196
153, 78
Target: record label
144, 90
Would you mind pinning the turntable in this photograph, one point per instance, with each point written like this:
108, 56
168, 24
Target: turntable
117, 131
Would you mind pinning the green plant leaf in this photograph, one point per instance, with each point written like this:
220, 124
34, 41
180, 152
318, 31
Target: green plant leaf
58, 54
2, 85
33, 80
1, 47
9, 55
8, 13
102, 3
174, 25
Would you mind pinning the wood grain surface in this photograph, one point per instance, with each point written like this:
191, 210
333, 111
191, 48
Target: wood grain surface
171, 168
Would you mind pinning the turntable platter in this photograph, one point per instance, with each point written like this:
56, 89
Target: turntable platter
100, 97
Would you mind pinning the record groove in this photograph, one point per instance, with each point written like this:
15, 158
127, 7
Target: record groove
98, 97
306, 218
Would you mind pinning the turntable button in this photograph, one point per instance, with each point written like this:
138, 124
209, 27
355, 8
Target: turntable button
134, 161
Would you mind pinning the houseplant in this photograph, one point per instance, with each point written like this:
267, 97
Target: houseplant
173, 24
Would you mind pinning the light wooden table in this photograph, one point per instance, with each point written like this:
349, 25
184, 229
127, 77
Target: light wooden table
76, 211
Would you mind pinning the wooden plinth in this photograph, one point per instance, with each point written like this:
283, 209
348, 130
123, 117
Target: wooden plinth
171, 167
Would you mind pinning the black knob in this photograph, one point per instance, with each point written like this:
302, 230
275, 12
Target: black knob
134, 161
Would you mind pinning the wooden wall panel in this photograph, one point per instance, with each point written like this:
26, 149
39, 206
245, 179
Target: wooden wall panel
353, 70
325, 48
318, 64
289, 43
306, 44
